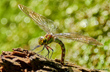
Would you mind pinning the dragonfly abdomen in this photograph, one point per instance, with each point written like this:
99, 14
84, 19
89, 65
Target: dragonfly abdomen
63, 49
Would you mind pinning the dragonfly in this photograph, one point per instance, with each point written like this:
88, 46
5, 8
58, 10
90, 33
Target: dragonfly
51, 36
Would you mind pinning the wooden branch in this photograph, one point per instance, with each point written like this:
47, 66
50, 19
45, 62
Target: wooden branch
20, 60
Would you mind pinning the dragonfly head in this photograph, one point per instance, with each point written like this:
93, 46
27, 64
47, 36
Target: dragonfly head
42, 40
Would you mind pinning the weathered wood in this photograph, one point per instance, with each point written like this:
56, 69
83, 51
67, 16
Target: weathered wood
20, 60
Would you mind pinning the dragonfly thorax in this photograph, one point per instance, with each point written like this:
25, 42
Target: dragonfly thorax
47, 39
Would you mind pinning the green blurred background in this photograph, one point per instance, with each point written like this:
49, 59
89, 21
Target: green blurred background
87, 17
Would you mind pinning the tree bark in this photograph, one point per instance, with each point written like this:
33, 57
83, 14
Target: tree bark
20, 60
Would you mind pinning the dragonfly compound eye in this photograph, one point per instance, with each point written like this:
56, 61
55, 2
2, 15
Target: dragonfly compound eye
41, 40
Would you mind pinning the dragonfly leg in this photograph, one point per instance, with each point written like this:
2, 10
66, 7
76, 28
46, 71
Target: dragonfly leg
48, 51
36, 47
41, 50
52, 51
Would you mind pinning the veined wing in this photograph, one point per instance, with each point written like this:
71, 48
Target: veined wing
77, 37
44, 23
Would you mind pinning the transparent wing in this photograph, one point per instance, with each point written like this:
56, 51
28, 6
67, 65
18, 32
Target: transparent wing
44, 23
77, 37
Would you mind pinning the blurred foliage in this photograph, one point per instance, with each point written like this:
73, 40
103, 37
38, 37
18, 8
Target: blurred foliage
88, 17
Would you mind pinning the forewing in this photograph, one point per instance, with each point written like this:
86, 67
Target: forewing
78, 37
44, 23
